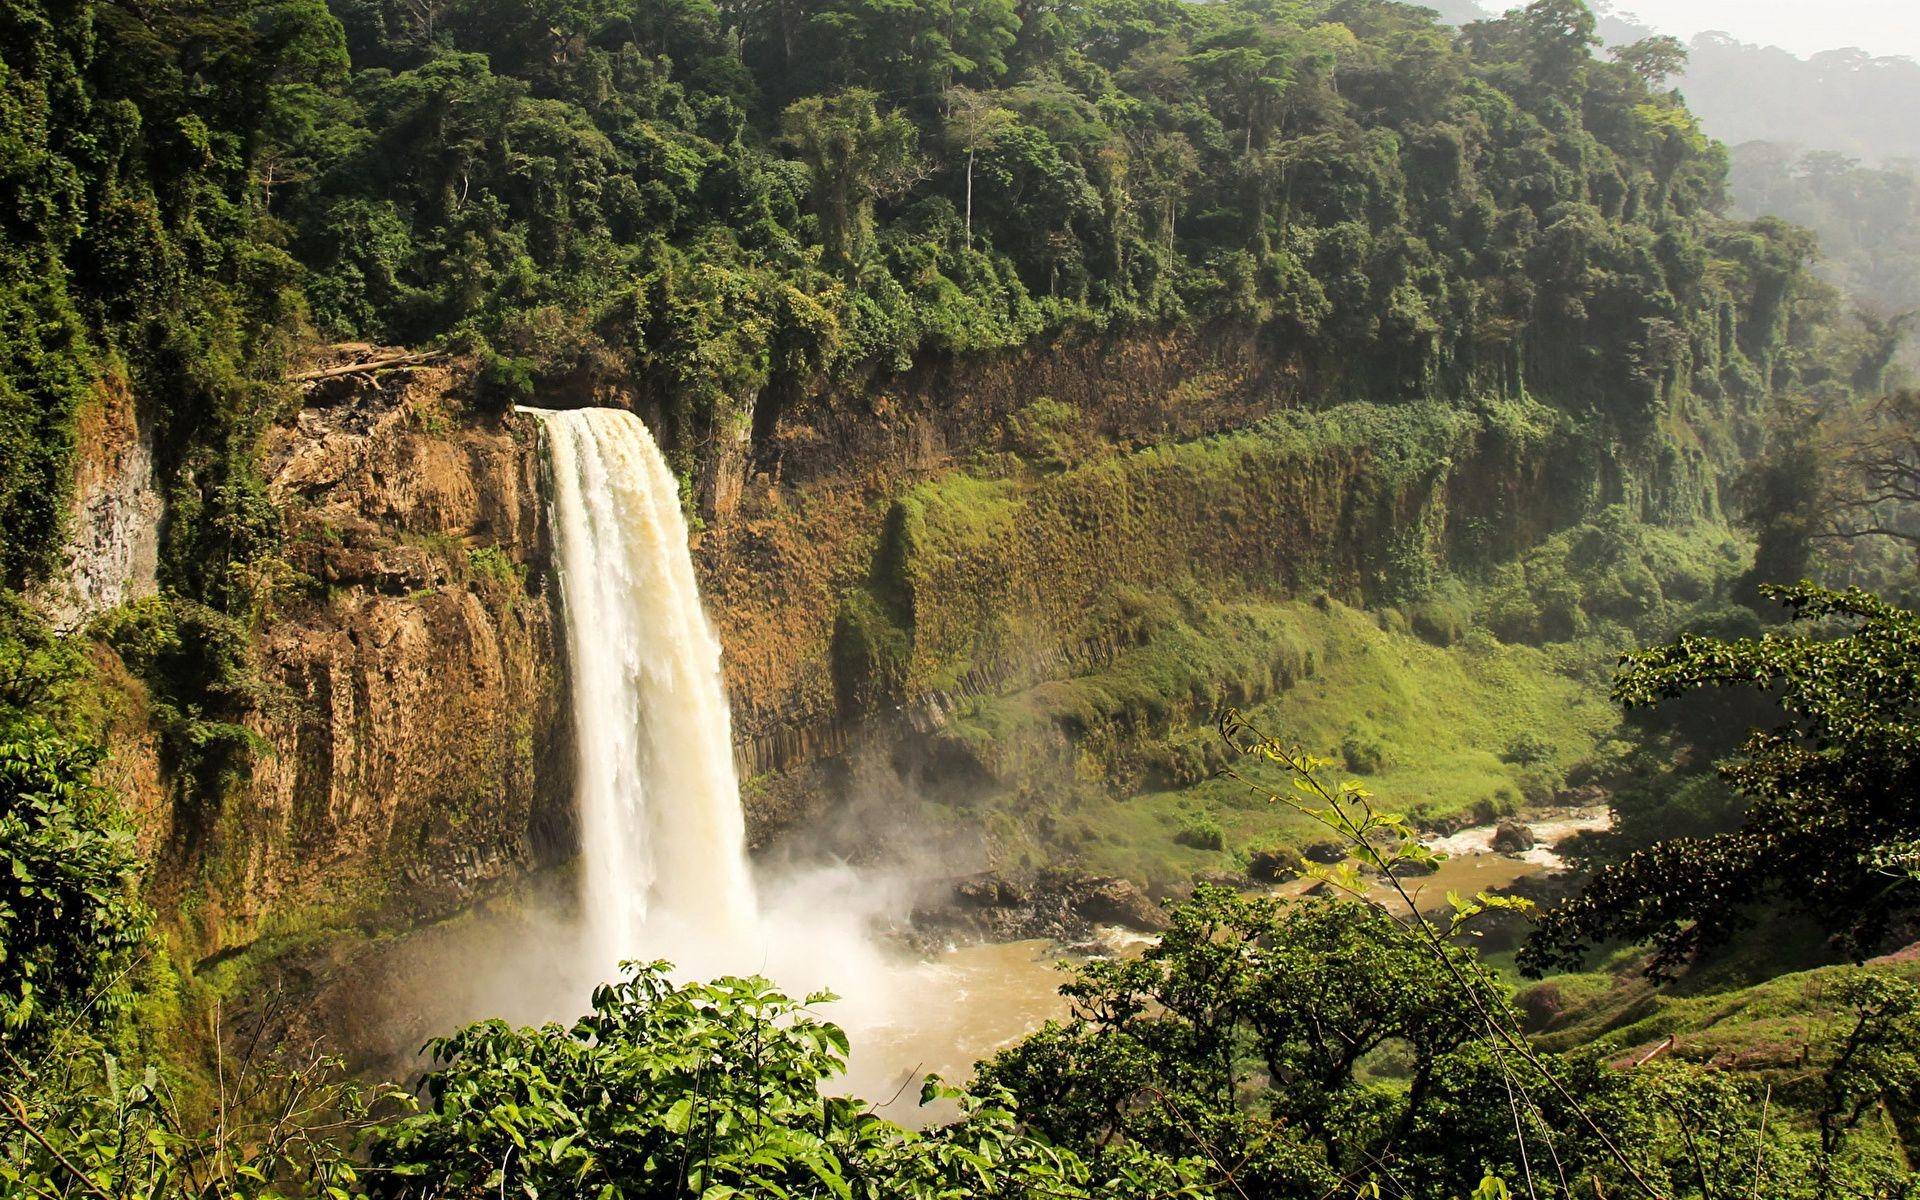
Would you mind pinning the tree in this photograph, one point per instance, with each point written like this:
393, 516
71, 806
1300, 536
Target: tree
1559, 35
1874, 1060
1877, 487
914, 51
1831, 831
1253, 67
855, 154
69, 919
708, 1089
974, 123
1653, 59
1240, 1035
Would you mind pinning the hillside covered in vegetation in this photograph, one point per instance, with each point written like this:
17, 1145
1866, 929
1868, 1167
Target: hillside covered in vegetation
710, 208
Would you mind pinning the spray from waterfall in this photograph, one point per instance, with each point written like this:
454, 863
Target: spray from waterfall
661, 833
663, 866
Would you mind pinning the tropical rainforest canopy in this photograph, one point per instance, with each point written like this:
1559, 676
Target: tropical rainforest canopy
723, 202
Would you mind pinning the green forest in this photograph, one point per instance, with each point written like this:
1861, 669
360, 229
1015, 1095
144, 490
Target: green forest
1577, 483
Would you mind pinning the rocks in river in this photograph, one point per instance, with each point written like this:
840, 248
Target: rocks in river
988, 890
1326, 851
1114, 901
1511, 837
1062, 905
1233, 881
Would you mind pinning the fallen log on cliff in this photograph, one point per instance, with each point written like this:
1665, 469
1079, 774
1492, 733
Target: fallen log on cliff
366, 366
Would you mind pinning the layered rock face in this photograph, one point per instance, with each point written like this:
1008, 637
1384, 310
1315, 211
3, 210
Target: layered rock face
980, 526
416, 742
826, 469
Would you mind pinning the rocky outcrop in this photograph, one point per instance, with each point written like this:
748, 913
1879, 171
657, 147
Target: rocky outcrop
414, 743
112, 551
1276, 864
1062, 905
1513, 837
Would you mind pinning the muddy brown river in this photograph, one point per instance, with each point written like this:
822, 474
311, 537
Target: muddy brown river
974, 1000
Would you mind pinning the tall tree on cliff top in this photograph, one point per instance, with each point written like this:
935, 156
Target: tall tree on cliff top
856, 153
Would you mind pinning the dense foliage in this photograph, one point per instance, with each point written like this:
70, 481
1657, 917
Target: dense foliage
69, 921
716, 203
1829, 829
1305, 1043
130, 245
709, 1090
1319, 1049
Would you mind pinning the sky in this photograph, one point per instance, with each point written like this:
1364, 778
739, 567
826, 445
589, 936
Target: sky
1880, 27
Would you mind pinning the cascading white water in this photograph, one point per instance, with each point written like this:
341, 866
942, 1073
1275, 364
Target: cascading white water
663, 841
664, 871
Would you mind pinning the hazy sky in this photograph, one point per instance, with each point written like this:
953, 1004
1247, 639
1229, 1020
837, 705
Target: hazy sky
1802, 26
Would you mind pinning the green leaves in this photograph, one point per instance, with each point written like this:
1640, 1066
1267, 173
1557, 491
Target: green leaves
1829, 786
715, 1090
69, 917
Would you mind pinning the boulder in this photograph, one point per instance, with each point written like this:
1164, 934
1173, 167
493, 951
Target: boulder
988, 890
1276, 864
1326, 850
1511, 837
1231, 880
1113, 901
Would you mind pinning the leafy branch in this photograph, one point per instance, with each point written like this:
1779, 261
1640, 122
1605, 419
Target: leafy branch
1387, 843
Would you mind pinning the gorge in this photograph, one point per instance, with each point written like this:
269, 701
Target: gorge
871, 496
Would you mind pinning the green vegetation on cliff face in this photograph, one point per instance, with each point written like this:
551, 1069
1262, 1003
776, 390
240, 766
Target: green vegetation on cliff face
1483, 694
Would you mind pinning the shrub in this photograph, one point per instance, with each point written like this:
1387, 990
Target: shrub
709, 1089
198, 666
69, 918
1202, 832
1363, 755
1527, 749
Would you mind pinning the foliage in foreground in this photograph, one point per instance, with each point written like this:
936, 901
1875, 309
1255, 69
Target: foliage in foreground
710, 1090
1831, 830
69, 920
82, 1122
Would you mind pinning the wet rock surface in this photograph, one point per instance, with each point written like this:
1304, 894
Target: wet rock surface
1512, 837
1063, 906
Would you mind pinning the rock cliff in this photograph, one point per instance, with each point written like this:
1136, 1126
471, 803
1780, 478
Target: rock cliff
413, 740
980, 525
112, 547
971, 527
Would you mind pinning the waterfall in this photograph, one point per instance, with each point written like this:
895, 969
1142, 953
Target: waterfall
663, 842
